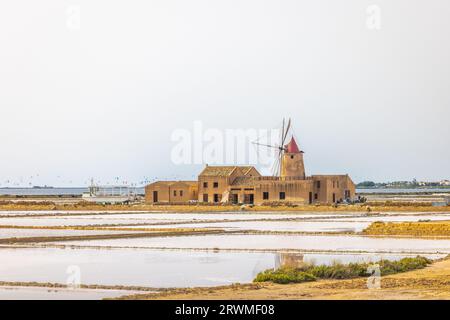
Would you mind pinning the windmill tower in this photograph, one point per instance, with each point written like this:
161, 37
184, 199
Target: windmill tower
292, 164
289, 162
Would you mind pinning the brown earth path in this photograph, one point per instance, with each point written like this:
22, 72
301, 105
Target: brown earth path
432, 282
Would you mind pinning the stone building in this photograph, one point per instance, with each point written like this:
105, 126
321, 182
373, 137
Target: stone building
244, 184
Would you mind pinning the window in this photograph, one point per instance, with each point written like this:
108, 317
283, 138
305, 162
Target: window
282, 195
292, 157
318, 184
265, 196
181, 193
205, 184
174, 193
334, 197
205, 197
337, 182
316, 196
215, 185
216, 198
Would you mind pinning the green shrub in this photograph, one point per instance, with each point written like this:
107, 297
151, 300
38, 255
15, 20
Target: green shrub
403, 265
311, 272
283, 276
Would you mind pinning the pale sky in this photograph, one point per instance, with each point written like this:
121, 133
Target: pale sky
102, 97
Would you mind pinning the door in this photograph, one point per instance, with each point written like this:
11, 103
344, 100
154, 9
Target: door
249, 198
155, 196
310, 197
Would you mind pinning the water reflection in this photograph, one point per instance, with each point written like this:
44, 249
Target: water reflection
289, 260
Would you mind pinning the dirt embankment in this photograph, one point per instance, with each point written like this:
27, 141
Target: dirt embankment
85, 206
432, 282
419, 229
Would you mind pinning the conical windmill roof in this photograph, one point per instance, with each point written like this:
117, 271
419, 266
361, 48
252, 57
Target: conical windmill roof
292, 147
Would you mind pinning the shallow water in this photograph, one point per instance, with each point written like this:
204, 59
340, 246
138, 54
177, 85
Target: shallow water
40, 293
132, 267
279, 242
152, 268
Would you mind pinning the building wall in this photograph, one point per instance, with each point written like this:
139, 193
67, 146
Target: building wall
181, 192
295, 191
337, 185
293, 165
170, 192
321, 189
210, 190
163, 192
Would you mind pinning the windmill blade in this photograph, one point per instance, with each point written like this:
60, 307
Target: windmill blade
266, 145
276, 167
287, 131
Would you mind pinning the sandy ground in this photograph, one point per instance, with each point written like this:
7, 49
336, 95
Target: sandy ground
432, 282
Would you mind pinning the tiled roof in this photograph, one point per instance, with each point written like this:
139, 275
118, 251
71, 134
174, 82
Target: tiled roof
246, 181
246, 169
224, 171
218, 171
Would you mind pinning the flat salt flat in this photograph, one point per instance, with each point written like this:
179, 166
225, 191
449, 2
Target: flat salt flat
399, 218
289, 226
130, 219
343, 243
71, 221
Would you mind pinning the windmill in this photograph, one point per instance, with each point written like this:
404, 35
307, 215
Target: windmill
276, 169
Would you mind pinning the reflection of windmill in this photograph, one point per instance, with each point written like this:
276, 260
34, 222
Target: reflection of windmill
290, 260
296, 156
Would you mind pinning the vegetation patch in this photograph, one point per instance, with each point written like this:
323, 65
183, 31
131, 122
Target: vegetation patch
311, 272
421, 228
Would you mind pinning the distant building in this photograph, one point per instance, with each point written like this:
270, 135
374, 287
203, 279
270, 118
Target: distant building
445, 183
244, 184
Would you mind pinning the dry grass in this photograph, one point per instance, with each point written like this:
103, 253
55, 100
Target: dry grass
379, 207
429, 228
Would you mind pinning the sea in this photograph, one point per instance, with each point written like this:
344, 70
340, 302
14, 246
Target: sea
49, 191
